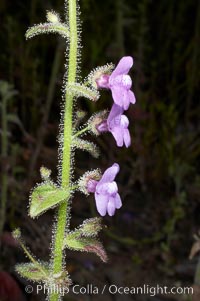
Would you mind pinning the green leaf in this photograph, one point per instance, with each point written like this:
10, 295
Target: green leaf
33, 271
46, 196
86, 146
78, 243
73, 242
80, 90
91, 227
59, 28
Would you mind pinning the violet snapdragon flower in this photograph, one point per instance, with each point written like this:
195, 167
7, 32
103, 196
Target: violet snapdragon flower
117, 123
120, 83
106, 191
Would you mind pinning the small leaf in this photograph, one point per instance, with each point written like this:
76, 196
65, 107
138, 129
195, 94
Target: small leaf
59, 28
81, 90
33, 271
46, 196
85, 244
87, 146
72, 241
97, 248
91, 227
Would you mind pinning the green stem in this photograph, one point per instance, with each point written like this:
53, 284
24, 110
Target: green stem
81, 131
63, 213
28, 254
4, 151
74, 187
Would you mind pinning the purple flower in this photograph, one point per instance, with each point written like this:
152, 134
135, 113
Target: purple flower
117, 123
106, 191
119, 82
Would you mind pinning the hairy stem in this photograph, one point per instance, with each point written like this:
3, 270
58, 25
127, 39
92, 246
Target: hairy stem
63, 212
28, 254
81, 131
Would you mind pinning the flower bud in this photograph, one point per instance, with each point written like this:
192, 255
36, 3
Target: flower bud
102, 81
45, 173
88, 181
97, 122
99, 76
81, 114
102, 127
16, 234
91, 185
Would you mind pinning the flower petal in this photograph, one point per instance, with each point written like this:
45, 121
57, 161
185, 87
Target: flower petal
117, 133
132, 98
123, 66
107, 188
124, 122
118, 202
127, 138
114, 116
117, 94
101, 203
111, 206
110, 174
126, 99
121, 96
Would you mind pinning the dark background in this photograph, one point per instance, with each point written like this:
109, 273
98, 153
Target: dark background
149, 239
